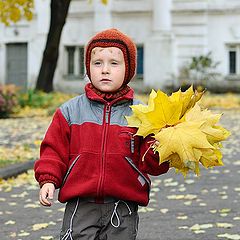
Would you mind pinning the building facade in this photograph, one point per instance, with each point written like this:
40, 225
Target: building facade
168, 33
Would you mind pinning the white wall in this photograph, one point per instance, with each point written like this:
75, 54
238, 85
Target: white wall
34, 33
219, 37
200, 27
197, 27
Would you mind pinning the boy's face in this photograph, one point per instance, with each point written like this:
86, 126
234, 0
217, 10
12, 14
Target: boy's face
107, 68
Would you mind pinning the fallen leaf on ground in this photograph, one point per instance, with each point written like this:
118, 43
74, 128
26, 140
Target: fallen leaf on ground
164, 210
10, 222
224, 225
39, 226
229, 236
197, 227
31, 205
23, 234
46, 237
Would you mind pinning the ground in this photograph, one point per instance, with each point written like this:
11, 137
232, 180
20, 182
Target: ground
194, 208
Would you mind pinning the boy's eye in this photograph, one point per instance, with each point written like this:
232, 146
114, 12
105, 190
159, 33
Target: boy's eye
114, 63
97, 63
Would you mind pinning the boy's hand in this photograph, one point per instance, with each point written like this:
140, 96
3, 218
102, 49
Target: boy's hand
46, 194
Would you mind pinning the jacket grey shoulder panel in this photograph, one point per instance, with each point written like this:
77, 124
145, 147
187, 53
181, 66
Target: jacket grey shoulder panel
119, 112
80, 109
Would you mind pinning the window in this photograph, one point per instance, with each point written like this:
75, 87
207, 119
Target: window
140, 61
234, 60
75, 61
70, 60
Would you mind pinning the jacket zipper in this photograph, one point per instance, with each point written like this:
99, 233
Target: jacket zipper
131, 140
69, 170
106, 121
130, 161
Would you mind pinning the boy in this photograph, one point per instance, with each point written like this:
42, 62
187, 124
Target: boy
91, 154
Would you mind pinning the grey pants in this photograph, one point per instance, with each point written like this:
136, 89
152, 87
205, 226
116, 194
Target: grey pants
84, 220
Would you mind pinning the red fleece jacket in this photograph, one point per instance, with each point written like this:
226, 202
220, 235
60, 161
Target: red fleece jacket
89, 151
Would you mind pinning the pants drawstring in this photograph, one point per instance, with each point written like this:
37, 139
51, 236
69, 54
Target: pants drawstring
115, 213
68, 234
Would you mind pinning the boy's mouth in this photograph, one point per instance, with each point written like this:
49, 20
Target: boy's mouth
105, 80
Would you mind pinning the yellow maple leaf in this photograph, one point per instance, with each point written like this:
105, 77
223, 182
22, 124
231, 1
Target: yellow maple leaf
183, 139
166, 112
214, 133
175, 162
187, 98
197, 114
145, 127
211, 158
139, 118
160, 112
186, 135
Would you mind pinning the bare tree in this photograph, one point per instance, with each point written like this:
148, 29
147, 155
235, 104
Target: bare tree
59, 12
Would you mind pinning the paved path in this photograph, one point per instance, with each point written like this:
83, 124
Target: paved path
204, 208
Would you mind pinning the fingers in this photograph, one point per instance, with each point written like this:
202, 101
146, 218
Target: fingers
50, 193
156, 143
46, 194
44, 200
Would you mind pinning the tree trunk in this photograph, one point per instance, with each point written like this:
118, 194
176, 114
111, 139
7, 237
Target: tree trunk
59, 11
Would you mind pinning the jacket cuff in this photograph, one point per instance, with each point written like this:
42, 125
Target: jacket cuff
48, 179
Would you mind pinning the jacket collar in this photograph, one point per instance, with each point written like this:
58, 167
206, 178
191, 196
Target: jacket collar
91, 94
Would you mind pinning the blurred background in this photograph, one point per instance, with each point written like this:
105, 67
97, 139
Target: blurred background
179, 43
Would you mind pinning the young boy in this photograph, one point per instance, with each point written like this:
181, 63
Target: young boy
91, 154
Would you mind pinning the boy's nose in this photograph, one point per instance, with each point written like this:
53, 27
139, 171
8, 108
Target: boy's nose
105, 69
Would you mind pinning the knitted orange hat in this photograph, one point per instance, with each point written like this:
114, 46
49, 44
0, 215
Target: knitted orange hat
114, 38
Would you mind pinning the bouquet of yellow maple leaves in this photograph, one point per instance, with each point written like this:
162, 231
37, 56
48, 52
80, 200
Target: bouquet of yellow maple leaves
185, 134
